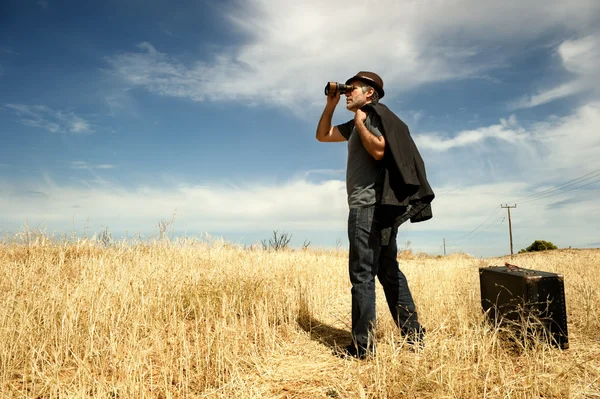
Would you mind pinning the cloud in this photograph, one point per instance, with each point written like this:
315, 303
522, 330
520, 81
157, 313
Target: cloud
566, 202
570, 143
480, 169
54, 121
291, 49
8, 50
85, 165
508, 131
294, 206
78, 125
200, 208
43, 4
554, 147
581, 57
417, 115
36, 194
555, 93
121, 102
565, 148
79, 165
324, 172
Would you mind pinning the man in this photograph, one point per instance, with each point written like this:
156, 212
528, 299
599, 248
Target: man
386, 185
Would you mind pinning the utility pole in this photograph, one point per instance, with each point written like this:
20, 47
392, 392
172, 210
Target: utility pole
444, 247
508, 207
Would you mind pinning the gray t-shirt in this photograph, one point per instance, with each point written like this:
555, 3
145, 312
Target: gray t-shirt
364, 174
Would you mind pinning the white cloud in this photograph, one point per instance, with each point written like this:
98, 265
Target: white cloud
565, 148
530, 160
79, 125
44, 117
508, 131
458, 213
557, 145
296, 205
325, 172
79, 165
571, 143
121, 101
417, 115
293, 48
544, 97
85, 165
581, 57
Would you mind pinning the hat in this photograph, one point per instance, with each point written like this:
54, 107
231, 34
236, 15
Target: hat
370, 78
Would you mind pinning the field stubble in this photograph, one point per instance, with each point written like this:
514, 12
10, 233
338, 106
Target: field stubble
197, 318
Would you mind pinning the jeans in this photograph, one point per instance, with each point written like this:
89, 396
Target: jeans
369, 258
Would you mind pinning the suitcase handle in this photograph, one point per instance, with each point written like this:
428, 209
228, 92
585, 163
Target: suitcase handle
510, 267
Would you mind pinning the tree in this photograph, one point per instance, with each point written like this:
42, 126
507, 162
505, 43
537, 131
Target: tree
539, 245
279, 242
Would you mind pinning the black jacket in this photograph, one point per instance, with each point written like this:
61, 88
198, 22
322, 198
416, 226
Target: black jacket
405, 180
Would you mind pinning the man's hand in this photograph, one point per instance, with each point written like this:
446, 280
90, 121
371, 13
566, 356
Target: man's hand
375, 145
360, 116
333, 99
326, 132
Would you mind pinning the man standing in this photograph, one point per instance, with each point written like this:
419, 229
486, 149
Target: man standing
386, 185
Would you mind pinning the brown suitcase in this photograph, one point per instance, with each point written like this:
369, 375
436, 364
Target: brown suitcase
527, 301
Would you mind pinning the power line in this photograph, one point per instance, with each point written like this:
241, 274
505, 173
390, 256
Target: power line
498, 219
535, 197
569, 183
562, 192
475, 229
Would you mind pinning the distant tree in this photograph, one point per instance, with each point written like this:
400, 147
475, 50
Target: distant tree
539, 245
305, 245
279, 242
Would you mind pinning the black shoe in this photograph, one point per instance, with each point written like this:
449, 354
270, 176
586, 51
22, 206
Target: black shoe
358, 352
416, 339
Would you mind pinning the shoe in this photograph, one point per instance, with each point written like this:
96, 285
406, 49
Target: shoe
358, 352
416, 339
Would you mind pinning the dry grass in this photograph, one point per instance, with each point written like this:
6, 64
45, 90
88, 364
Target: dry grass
205, 319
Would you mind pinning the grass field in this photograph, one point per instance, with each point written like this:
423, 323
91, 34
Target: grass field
201, 318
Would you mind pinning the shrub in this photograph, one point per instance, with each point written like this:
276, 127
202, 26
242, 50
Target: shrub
279, 242
539, 245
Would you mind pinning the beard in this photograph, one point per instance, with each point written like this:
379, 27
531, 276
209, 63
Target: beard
354, 104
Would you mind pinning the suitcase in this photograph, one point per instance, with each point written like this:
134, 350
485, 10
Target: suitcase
529, 302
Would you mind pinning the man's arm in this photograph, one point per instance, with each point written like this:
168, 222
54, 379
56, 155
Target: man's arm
375, 145
325, 132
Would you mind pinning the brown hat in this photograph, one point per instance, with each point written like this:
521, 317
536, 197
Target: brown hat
370, 78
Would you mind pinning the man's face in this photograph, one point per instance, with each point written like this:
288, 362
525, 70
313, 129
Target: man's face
356, 98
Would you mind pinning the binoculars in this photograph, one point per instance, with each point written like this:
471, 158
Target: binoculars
335, 87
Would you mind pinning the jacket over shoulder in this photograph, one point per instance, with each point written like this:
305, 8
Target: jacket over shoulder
405, 181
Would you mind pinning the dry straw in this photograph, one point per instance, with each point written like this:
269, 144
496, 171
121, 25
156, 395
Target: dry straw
204, 319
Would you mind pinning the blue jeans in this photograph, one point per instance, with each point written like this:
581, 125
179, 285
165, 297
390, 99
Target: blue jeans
369, 258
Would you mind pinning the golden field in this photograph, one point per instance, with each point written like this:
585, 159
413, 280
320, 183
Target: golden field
200, 318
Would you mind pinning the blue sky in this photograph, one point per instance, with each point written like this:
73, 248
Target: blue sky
122, 114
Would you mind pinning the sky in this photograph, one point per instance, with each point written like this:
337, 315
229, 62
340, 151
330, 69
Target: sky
118, 115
